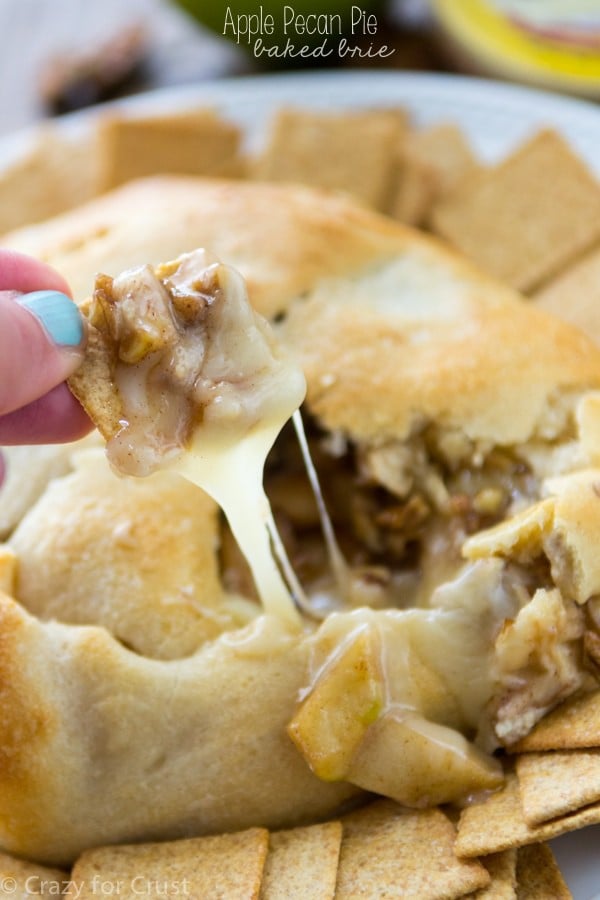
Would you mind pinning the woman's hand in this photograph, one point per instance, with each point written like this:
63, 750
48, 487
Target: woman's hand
42, 341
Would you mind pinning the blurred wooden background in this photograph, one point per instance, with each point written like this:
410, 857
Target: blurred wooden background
179, 51
34, 31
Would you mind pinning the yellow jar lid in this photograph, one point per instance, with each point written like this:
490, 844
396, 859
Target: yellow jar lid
553, 43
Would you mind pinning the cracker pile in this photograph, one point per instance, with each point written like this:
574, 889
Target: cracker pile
524, 220
532, 221
379, 851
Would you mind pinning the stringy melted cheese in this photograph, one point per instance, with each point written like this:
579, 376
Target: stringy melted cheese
205, 391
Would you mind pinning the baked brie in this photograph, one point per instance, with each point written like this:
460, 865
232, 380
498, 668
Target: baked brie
453, 430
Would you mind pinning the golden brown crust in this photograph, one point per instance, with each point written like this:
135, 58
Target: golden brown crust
282, 239
28, 724
160, 592
426, 338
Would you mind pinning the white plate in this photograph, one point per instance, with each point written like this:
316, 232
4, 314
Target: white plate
495, 117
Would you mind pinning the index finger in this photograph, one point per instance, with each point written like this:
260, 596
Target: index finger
19, 272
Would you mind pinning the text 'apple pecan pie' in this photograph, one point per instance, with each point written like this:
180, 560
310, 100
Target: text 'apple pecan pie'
440, 596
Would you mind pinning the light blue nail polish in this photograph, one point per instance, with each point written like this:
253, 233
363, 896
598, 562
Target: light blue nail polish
58, 315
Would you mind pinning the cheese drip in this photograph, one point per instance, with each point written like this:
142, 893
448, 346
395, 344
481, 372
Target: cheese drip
338, 565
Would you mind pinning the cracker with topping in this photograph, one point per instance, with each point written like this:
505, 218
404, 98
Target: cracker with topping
172, 348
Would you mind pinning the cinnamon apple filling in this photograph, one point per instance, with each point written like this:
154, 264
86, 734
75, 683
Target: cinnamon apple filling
400, 512
401, 515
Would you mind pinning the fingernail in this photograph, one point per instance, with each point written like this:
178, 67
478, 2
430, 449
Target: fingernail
58, 314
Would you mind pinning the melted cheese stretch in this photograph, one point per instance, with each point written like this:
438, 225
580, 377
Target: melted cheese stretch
233, 476
337, 563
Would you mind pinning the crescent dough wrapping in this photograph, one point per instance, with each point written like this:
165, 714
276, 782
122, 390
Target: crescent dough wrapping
102, 745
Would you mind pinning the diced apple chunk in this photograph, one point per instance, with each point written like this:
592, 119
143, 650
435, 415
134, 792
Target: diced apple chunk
347, 698
420, 763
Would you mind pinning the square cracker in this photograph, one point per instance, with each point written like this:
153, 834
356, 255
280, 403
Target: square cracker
389, 851
527, 218
554, 784
54, 173
498, 823
538, 875
351, 152
93, 383
432, 162
192, 143
224, 867
575, 295
503, 871
302, 863
573, 725
20, 879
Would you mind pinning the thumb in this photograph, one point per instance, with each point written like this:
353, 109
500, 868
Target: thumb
42, 340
